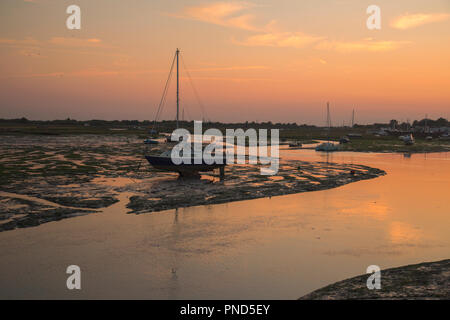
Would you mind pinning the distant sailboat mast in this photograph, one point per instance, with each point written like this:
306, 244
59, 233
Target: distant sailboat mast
327, 146
353, 118
178, 87
328, 120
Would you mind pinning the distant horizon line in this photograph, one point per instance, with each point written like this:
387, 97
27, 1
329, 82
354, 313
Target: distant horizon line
399, 122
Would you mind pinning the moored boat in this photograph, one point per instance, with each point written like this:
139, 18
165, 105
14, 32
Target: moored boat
196, 163
344, 139
409, 140
327, 147
295, 144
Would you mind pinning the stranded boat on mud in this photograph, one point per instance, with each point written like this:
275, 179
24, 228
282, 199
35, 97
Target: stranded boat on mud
196, 162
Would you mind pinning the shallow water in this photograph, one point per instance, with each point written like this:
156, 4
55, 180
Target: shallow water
272, 248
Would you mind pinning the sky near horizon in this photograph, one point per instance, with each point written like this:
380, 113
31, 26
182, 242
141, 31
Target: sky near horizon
260, 60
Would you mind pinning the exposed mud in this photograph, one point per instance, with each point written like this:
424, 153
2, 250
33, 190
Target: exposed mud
63, 171
65, 176
243, 182
17, 212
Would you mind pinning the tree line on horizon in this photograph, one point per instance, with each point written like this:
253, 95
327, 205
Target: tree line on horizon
440, 122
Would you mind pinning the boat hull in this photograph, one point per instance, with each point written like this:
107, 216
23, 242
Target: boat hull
327, 147
166, 163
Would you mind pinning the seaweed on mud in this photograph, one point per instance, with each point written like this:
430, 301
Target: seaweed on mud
22, 213
37, 218
237, 185
95, 203
67, 171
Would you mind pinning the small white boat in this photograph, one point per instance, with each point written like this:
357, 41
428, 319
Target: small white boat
295, 144
408, 140
327, 147
344, 139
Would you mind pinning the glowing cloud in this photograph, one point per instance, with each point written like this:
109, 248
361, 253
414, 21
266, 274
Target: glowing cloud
228, 14
27, 42
408, 21
363, 45
281, 39
75, 42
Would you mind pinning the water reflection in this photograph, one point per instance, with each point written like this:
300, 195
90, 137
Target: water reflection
173, 286
372, 209
282, 247
401, 233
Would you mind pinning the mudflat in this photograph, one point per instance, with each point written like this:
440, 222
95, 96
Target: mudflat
51, 178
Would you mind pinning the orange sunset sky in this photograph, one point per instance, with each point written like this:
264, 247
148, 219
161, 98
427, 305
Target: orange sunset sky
268, 60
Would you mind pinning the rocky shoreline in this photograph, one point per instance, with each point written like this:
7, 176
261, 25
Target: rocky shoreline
429, 280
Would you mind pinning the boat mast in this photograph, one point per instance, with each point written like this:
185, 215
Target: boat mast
328, 120
353, 118
178, 87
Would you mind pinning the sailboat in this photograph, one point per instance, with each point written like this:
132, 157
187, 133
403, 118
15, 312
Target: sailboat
197, 163
409, 139
327, 146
